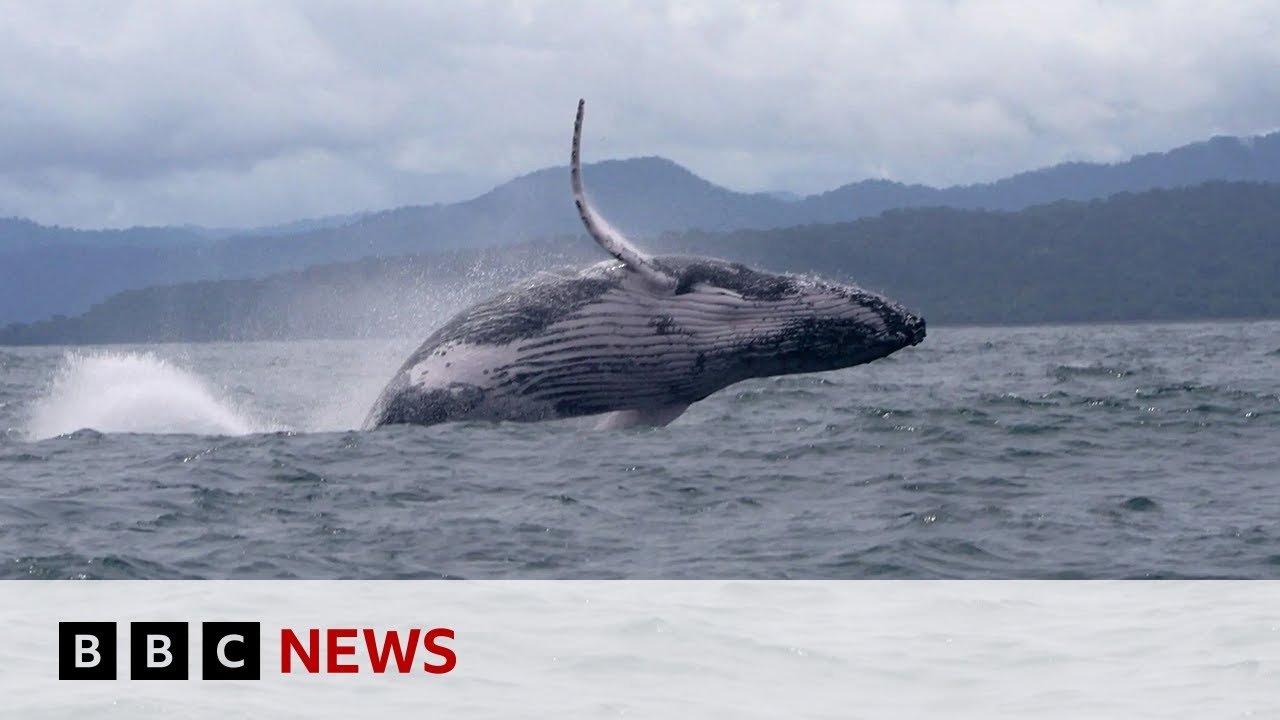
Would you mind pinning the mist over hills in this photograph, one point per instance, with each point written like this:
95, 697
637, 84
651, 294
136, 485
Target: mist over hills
48, 271
1254, 159
1210, 251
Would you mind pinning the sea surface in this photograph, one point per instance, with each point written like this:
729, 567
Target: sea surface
1117, 451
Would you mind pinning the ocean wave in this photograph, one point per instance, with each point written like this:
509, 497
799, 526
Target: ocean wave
127, 392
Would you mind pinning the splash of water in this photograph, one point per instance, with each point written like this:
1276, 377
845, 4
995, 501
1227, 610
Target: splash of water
133, 392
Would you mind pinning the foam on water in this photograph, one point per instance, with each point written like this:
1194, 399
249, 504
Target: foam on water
134, 393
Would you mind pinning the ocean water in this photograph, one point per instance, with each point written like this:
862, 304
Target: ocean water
1121, 451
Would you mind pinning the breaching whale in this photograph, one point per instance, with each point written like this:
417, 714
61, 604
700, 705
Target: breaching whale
637, 337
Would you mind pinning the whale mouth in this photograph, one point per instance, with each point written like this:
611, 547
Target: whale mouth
915, 330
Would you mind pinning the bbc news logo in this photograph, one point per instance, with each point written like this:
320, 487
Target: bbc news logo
160, 651
233, 651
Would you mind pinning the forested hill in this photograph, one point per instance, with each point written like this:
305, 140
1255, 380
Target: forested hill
1211, 251
44, 271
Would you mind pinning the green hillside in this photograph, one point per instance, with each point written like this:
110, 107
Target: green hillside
1211, 251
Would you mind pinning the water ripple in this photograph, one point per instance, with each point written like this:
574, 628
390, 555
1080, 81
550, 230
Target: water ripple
1125, 451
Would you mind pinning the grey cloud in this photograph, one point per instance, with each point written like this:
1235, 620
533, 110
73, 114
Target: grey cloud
250, 113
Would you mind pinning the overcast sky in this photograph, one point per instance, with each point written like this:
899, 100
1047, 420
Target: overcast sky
245, 113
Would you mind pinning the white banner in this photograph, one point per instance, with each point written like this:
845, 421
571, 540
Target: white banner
641, 649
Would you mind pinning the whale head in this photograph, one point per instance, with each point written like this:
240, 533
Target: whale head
766, 323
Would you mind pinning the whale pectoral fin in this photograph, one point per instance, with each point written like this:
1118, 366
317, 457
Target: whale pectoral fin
649, 417
614, 242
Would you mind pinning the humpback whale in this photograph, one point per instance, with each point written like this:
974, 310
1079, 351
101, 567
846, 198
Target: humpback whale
636, 339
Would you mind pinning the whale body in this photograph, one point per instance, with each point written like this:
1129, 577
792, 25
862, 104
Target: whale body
638, 338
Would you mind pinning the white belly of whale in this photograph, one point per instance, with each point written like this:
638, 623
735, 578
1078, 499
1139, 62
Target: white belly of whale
608, 356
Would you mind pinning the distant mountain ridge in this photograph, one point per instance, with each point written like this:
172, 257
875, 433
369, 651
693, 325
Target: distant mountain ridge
20, 234
46, 271
1252, 159
1209, 251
